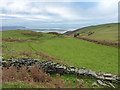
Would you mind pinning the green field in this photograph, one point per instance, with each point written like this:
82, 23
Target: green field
107, 32
71, 51
68, 50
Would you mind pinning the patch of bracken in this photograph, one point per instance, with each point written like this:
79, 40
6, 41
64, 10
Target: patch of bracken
32, 75
53, 33
100, 41
13, 40
33, 34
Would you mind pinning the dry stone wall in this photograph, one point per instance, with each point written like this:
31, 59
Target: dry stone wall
104, 79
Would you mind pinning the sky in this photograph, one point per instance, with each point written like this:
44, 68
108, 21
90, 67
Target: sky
67, 14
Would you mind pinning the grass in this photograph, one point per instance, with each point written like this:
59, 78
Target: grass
70, 51
81, 53
17, 85
75, 52
108, 32
25, 35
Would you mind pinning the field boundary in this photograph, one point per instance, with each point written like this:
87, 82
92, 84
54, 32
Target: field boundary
99, 42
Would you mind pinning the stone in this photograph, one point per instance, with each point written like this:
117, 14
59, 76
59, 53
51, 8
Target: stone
111, 85
102, 83
4, 63
0, 63
108, 74
92, 73
95, 84
110, 78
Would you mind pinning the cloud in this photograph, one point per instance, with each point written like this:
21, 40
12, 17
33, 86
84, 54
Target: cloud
62, 12
59, 13
43, 11
27, 17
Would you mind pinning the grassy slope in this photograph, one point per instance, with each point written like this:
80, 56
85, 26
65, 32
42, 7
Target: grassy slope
73, 51
18, 34
108, 32
14, 48
81, 53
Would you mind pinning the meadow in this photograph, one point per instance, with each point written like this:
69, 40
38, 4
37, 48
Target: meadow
61, 49
71, 51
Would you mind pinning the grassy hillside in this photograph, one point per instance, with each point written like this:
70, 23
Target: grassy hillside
25, 35
65, 50
108, 32
71, 51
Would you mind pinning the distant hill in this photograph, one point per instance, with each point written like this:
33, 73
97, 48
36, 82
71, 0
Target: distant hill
107, 32
11, 27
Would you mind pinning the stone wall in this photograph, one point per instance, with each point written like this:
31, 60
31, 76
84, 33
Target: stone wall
51, 67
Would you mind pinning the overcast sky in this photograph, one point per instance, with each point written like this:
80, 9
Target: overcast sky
69, 14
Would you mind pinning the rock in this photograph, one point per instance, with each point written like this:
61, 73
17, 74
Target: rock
110, 78
4, 63
111, 85
95, 84
108, 74
0, 63
83, 72
78, 80
101, 77
118, 78
102, 83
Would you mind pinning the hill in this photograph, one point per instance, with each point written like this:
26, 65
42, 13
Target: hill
58, 48
11, 27
72, 51
107, 32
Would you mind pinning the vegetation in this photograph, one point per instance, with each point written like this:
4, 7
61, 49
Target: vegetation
68, 50
81, 53
107, 32
62, 49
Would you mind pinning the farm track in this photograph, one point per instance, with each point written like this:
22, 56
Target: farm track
43, 55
